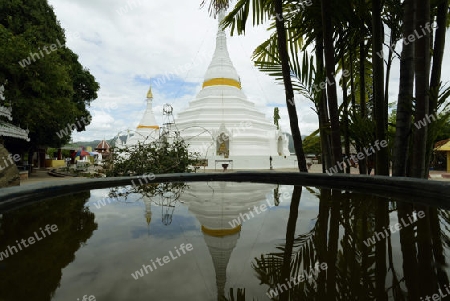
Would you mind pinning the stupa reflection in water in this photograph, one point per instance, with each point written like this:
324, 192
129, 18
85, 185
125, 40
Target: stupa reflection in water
216, 206
166, 200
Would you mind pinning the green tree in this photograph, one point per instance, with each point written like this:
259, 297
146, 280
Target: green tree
48, 90
311, 145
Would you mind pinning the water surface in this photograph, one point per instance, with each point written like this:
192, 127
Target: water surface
194, 248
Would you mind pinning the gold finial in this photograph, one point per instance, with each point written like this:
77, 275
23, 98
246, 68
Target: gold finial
149, 93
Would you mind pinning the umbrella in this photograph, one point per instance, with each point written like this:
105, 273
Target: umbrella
80, 153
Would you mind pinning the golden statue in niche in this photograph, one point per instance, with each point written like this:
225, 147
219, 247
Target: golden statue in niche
223, 145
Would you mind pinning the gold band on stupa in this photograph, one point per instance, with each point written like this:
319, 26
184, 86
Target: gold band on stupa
222, 82
148, 127
221, 232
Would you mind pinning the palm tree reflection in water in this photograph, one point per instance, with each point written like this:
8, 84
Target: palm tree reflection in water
357, 272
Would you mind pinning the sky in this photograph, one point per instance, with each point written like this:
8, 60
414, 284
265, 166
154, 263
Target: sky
128, 45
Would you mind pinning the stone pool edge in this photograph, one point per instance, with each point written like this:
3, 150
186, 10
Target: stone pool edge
433, 193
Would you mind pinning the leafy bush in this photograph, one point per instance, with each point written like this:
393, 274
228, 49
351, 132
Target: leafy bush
158, 156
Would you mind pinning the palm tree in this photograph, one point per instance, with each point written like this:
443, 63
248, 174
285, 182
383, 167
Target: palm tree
435, 82
216, 5
305, 75
405, 95
380, 104
292, 110
327, 28
422, 85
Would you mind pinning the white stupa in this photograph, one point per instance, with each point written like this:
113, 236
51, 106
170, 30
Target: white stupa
147, 130
223, 126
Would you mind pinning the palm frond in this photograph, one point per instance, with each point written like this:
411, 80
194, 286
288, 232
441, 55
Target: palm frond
215, 6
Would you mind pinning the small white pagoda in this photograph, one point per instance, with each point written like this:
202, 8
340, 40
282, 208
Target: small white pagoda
225, 127
147, 130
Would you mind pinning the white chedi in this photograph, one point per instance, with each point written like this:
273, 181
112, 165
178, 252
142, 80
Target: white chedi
222, 124
147, 129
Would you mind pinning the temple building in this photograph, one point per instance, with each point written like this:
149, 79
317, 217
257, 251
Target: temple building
225, 127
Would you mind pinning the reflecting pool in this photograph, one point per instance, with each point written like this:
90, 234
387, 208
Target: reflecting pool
223, 241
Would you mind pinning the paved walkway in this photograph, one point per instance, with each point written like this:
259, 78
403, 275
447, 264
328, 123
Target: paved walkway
41, 175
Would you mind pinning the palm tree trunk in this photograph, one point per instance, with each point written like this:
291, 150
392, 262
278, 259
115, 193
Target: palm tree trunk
422, 84
292, 109
362, 60
438, 55
404, 104
331, 82
345, 116
382, 158
438, 50
324, 121
362, 96
352, 83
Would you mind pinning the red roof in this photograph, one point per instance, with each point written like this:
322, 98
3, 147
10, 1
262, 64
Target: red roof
103, 145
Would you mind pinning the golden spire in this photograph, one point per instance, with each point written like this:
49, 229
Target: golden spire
149, 93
